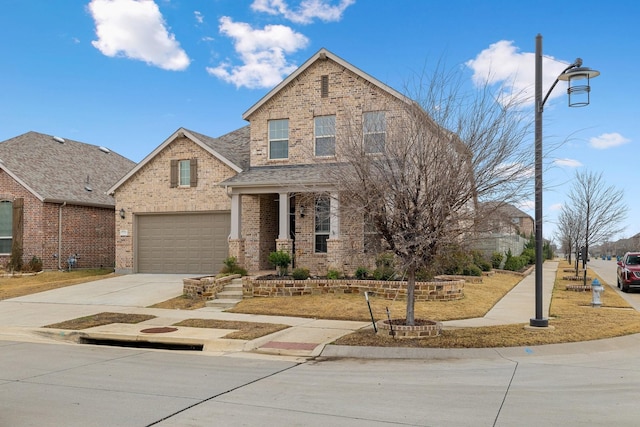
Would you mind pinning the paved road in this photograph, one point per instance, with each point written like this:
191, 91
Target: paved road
607, 270
594, 384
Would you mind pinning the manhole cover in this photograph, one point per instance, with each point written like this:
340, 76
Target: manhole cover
158, 330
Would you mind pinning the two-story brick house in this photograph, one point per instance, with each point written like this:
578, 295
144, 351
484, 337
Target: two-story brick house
266, 183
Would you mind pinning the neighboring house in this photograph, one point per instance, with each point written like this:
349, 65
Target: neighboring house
53, 200
195, 200
503, 227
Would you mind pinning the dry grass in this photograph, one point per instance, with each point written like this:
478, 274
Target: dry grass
245, 330
100, 319
20, 285
182, 302
571, 315
478, 300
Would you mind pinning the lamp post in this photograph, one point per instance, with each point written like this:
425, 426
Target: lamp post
578, 97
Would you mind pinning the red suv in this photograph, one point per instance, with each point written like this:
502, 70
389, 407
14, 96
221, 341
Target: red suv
629, 271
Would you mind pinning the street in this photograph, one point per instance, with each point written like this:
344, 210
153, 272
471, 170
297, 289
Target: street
591, 383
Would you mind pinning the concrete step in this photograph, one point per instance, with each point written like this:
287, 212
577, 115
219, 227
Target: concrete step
222, 303
233, 287
229, 294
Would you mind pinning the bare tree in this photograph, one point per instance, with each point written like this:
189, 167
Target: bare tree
418, 173
571, 229
602, 207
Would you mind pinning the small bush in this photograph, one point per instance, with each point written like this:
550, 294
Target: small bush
515, 263
333, 274
530, 255
280, 259
384, 267
300, 273
35, 264
231, 267
496, 259
471, 270
361, 273
480, 261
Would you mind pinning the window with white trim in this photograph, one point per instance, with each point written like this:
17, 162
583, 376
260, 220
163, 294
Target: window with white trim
374, 128
325, 136
323, 223
6, 226
279, 139
184, 168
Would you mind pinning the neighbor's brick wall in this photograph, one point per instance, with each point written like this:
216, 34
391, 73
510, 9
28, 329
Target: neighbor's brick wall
148, 191
87, 231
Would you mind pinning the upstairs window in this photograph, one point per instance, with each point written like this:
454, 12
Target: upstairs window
374, 128
279, 139
184, 173
6, 226
323, 223
325, 135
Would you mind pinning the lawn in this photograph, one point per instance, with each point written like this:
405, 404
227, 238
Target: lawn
26, 284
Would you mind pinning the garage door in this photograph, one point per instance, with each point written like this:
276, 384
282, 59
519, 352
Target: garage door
182, 243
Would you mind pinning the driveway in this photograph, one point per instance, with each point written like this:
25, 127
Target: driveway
112, 294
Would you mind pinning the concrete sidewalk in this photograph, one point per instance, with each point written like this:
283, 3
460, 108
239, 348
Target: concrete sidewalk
22, 318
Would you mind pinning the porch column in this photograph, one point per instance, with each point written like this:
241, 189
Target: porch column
236, 242
236, 216
283, 216
336, 257
284, 242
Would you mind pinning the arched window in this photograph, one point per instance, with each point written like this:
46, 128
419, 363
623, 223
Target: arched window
6, 224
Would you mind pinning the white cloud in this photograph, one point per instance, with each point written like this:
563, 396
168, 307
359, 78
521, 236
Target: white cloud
503, 63
608, 140
556, 207
262, 53
570, 163
135, 29
306, 12
199, 17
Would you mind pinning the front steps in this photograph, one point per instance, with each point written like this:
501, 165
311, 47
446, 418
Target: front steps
230, 295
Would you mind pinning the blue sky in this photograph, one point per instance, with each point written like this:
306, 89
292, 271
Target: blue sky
125, 74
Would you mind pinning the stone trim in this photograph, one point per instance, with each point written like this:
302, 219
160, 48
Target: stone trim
205, 287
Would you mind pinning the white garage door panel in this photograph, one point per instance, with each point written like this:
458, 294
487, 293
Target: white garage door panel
182, 243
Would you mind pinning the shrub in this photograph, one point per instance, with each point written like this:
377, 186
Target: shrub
361, 273
35, 264
530, 255
480, 261
515, 263
384, 267
231, 267
280, 259
300, 273
333, 274
471, 270
496, 259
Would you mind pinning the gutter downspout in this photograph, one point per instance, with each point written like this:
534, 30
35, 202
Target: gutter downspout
60, 235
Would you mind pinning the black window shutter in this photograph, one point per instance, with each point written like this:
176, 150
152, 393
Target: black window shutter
193, 169
174, 174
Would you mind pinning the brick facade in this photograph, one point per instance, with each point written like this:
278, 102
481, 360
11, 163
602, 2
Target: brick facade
86, 231
149, 191
349, 96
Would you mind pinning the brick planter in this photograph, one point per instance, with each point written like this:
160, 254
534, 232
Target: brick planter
446, 290
205, 287
422, 329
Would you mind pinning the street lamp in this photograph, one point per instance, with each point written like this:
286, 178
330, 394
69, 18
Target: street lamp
578, 97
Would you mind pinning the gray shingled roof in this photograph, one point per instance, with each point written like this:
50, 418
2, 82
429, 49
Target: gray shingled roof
234, 145
59, 172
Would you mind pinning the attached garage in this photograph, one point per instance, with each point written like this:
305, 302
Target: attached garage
193, 243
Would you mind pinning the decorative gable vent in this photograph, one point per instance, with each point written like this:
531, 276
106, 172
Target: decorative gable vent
324, 86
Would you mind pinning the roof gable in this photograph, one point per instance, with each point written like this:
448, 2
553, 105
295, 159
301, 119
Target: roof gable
232, 149
322, 55
60, 170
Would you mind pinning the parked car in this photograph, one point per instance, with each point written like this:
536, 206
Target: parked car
629, 271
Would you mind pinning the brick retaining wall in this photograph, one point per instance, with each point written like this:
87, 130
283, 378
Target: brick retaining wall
425, 291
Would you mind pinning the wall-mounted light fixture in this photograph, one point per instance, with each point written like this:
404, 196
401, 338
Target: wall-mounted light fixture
301, 211
122, 213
